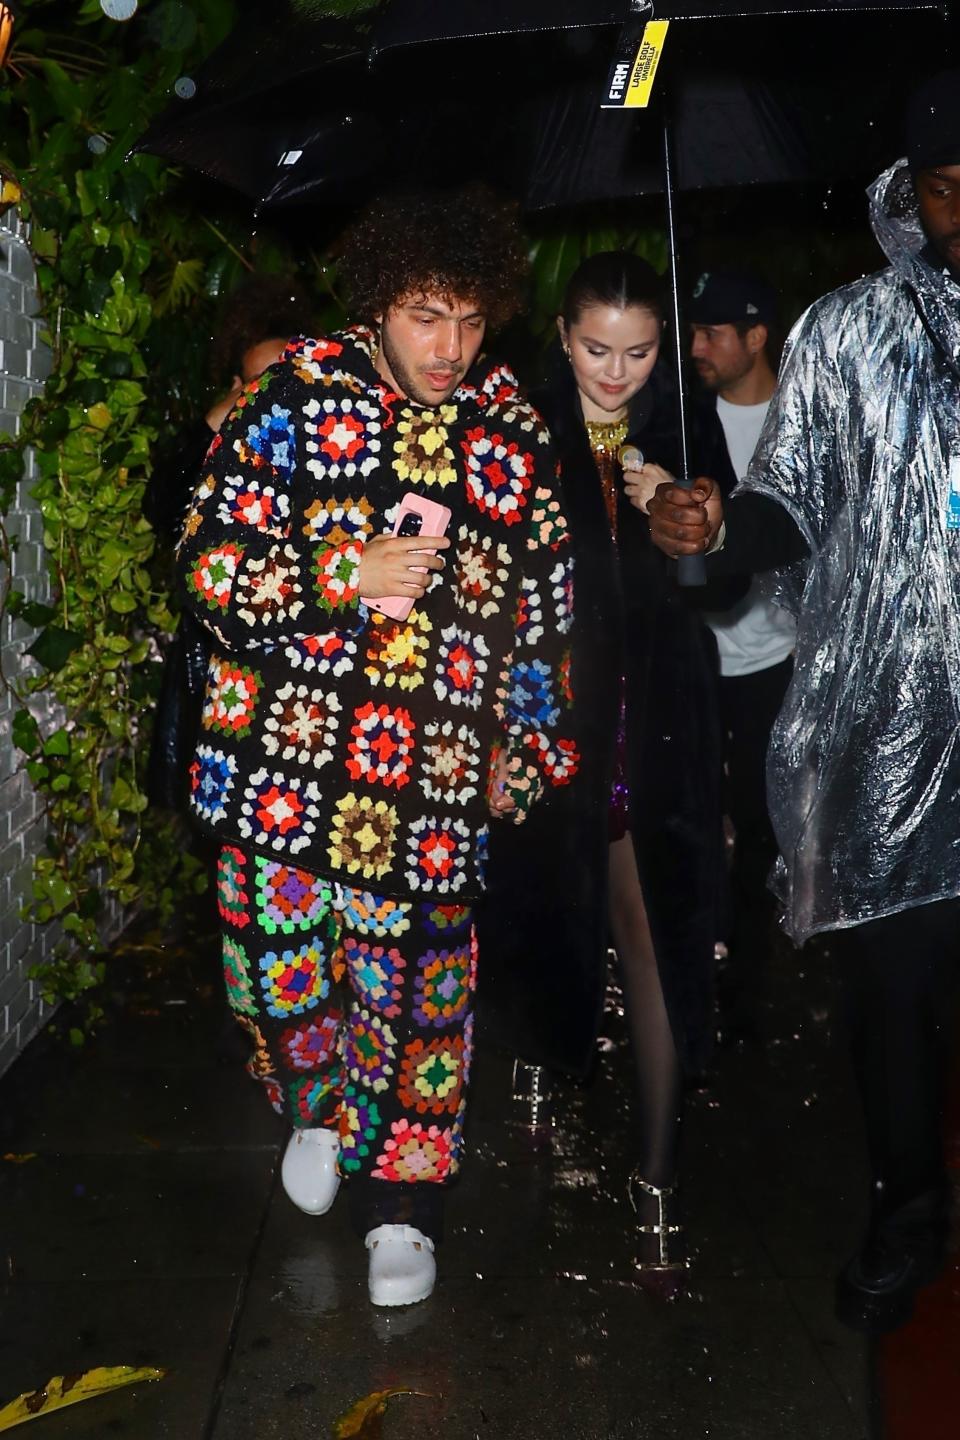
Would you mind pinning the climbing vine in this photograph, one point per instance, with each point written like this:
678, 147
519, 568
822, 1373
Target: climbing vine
128, 272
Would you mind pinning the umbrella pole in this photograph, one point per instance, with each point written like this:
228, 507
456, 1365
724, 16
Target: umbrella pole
691, 569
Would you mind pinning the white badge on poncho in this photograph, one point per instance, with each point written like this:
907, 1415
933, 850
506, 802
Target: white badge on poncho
953, 497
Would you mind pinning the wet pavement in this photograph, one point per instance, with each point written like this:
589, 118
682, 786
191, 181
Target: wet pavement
150, 1229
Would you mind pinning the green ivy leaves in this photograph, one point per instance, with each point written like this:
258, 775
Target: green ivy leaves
117, 259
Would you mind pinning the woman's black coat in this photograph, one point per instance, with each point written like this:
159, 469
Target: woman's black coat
176, 721
542, 926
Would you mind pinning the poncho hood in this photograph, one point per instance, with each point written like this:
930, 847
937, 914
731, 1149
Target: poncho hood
895, 218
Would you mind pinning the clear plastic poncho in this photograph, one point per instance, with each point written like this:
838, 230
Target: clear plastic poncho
864, 761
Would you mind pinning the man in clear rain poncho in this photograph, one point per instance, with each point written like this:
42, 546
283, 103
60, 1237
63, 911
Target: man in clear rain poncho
853, 499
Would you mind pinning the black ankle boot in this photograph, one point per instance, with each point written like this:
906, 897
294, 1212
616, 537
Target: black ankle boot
905, 1250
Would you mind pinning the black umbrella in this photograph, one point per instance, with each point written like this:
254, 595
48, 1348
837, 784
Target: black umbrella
407, 23
317, 104
324, 110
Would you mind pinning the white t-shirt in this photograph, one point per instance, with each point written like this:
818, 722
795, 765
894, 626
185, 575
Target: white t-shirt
755, 633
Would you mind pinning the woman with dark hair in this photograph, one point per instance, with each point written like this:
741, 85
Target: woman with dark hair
637, 835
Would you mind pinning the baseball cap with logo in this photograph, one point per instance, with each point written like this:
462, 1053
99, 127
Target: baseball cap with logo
729, 297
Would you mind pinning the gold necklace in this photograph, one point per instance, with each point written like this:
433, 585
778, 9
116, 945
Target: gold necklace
606, 436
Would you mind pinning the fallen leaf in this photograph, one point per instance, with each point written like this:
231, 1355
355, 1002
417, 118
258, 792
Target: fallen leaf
20, 1159
362, 1420
71, 1389
9, 192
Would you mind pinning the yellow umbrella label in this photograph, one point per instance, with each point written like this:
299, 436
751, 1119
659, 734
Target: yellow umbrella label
630, 83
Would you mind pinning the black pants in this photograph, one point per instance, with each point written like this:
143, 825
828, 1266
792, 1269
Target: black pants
900, 978
749, 706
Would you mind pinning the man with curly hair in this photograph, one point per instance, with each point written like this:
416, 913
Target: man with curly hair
349, 762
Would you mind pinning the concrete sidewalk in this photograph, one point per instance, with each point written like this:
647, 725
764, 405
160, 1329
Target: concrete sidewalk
151, 1229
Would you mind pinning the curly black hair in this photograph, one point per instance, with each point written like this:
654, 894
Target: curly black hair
260, 308
460, 244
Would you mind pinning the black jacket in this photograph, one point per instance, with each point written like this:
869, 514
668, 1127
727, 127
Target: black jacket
543, 935
176, 720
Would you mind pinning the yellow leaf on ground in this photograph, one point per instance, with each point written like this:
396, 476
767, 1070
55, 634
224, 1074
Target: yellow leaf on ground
20, 1159
360, 1419
71, 1389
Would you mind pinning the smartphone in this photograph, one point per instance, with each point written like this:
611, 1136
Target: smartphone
417, 515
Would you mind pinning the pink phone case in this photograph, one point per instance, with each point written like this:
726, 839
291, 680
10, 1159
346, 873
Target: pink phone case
435, 519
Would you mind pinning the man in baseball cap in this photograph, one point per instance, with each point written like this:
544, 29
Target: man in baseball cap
731, 314
725, 296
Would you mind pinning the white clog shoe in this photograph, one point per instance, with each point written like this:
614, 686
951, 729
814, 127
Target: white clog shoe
309, 1170
402, 1268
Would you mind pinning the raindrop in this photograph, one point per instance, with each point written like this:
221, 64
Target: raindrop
185, 88
119, 9
97, 144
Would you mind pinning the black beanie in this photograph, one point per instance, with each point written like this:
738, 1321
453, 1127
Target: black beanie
933, 122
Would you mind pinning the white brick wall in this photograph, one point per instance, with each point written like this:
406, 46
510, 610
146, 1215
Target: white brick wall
23, 365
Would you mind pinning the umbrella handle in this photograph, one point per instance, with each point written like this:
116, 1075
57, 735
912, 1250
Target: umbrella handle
691, 569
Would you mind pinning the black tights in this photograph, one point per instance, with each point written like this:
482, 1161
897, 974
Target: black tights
657, 1065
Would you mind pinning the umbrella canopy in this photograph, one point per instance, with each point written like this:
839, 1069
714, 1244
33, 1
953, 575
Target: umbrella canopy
302, 117
571, 139
415, 22
322, 111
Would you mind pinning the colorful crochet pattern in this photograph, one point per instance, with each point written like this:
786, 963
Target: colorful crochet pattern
333, 737
383, 1055
288, 899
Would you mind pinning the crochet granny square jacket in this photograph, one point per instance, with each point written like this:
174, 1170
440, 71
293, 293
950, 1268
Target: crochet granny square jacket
348, 744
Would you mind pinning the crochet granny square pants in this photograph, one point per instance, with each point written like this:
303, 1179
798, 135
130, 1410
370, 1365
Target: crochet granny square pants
359, 1009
